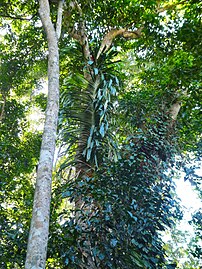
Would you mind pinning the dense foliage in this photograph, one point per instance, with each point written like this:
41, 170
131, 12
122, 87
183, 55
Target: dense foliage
119, 137
124, 206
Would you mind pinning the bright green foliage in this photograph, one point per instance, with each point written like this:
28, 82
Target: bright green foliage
19, 143
114, 119
19, 154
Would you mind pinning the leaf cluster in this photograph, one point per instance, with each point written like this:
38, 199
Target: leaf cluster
123, 208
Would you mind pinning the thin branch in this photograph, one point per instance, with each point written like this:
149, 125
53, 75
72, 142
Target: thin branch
59, 19
17, 17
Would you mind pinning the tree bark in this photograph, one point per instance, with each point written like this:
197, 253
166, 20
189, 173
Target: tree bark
3, 108
39, 229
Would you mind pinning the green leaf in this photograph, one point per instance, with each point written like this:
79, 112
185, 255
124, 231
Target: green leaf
88, 154
89, 141
66, 261
102, 130
117, 81
66, 194
101, 256
96, 71
132, 216
96, 162
113, 90
113, 242
105, 105
90, 62
92, 130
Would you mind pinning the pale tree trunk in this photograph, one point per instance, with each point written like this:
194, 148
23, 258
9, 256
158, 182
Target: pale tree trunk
3, 108
39, 229
174, 111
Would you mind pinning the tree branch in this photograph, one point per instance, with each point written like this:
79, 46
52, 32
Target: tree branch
17, 17
133, 34
59, 19
83, 37
109, 37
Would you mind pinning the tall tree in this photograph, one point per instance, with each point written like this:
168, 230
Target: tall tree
134, 185
39, 230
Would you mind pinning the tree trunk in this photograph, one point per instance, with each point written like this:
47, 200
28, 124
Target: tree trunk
39, 230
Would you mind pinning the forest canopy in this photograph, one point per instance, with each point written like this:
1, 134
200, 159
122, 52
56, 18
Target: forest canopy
100, 107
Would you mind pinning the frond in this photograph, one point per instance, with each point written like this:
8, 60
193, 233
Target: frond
86, 109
